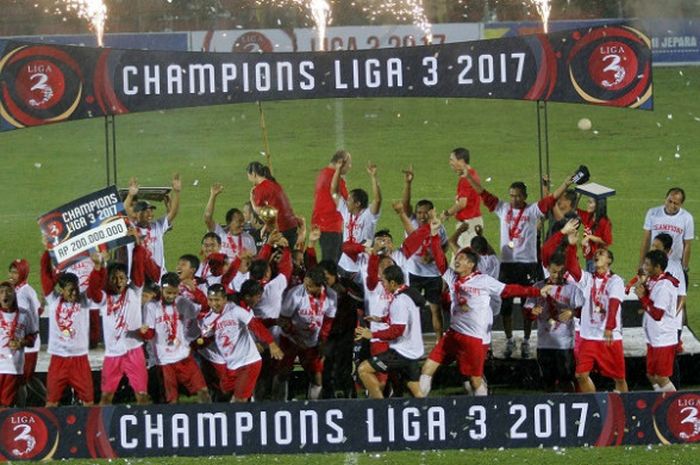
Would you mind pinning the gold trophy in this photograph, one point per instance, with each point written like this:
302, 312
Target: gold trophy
268, 215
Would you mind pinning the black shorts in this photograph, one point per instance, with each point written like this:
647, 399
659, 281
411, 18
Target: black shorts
394, 361
556, 365
429, 286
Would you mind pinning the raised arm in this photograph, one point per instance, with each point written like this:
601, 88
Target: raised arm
452, 241
174, 207
376, 204
214, 191
48, 275
400, 210
97, 278
406, 194
129, 200
335, 182
644, 249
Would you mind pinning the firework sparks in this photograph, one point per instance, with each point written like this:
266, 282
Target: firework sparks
402, 10
94, 11
544, 8
318, 11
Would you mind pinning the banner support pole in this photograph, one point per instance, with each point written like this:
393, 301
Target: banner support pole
107, 148
542, 142
111, 148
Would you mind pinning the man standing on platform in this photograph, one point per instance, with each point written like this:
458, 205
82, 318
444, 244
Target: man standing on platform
467, 206
325, 215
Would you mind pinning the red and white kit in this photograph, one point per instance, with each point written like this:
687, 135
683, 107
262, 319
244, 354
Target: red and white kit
15, 325
659, 323
551, 333
232, 245
679, 226
357, 228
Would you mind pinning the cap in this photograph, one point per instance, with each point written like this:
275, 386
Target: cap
143, 205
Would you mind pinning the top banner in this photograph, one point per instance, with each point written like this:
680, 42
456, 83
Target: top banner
42, 84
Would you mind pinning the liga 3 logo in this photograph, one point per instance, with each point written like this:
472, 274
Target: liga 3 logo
25, 435
40, 84
605, 66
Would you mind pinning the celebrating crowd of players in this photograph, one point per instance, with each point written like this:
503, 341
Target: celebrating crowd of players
230, 322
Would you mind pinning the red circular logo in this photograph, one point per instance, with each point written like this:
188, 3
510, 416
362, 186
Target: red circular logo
40, 84
613, 65
252, 42
683, 418
24, 435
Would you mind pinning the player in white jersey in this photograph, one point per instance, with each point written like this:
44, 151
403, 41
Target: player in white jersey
658, 294
18, 328
211, 267
232, 326
69, 317
672, 219
234, 240
518, 245
471, 316
27, 299
306, 318
359, 216
600, 317
404, 336
153, 231
555, 327
165, 322
120, 307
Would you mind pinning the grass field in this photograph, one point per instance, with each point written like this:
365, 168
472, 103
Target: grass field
632, 151
629, 150
666, 455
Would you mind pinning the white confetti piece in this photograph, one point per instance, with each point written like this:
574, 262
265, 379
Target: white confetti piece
670, 116
488, 179
677, 155
196, 182
37, 165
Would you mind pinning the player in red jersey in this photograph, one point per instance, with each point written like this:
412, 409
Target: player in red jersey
325, 214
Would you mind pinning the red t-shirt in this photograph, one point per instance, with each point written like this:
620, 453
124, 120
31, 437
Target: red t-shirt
271, 193
603, 230
325, 214
464, 189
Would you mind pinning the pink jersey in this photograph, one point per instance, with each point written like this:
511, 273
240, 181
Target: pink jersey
14, 326
69, 325
307, 313
234, 340
471, 312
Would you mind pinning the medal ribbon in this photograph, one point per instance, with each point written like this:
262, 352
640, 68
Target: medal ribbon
597, 291
65, 322
171, 322
13, 326
512, 228
461, 300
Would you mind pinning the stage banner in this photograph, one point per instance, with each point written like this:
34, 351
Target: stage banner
42, 84
599, 420
91, 223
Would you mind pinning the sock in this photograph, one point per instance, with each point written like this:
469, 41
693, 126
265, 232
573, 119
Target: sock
314, 391
481, 390
656, 387
425, 382
668, 387
468, 387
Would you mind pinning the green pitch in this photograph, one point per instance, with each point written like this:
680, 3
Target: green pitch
667, 455
640, 154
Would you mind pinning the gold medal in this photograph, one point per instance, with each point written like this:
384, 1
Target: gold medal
511, 244
597, 309
200, 341
465, 308
552, 324
66, 332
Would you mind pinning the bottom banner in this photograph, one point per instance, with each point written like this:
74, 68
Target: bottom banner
604, 419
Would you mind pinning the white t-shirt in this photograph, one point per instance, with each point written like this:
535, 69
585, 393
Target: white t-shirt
232, 245
597, 293
519, 227
422, 263
14, 325
679, 226
69, 325
238, 280
403, 311
28, 300
234, 340
471, 312
376, 301
121, 314
170, 346
551, 333
270, 304
307, 314
675, 269
662, 333
153, 241
356, 228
